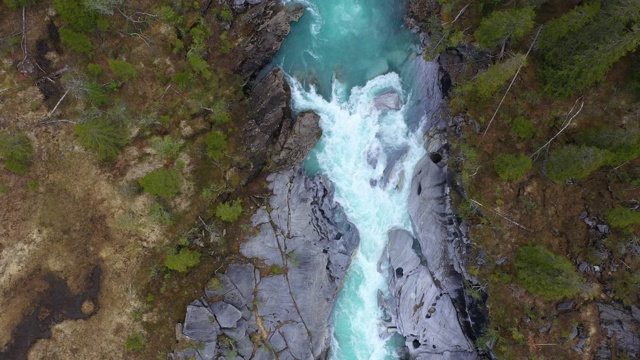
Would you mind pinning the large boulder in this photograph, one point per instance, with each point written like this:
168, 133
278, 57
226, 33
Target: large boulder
294, 144
620, 327
271, 132
418, 308
260, 32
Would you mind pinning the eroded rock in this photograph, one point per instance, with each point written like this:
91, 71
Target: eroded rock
418, 307
306, 245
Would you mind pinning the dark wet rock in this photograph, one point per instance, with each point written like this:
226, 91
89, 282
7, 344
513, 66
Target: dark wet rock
544, 329
584, 267
618, 326
306, 237
463, 62
589, 221
583, 215
603, 228
271, 132
565, 306
260, 31
418, 308
270, 101
294, 144
387, 101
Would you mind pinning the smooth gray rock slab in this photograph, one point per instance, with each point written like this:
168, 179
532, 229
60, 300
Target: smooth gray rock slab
418, 308
617, 325
226, 314
305, 245
387, 101
200, 323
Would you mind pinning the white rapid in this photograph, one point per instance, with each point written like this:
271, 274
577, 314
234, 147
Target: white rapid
359, 142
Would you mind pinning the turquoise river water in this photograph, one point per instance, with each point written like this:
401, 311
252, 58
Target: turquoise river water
339, 56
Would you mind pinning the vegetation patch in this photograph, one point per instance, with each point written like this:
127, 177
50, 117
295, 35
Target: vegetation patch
104, 137
165, 183
229, 211
512, 167
17, 151
623, 218
182, 260
574, 162
544, 273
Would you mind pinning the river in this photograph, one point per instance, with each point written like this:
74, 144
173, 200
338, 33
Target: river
339, 57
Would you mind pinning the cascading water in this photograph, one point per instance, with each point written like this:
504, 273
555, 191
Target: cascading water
340, 56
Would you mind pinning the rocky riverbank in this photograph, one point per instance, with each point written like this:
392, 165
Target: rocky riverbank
431, 304
277, 304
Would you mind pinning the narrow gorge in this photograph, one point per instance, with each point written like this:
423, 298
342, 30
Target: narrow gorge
357, 254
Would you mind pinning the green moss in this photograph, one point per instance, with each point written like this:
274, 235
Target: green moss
229, 211
512, 167
544, 273
165, 183
182, 260
135, 342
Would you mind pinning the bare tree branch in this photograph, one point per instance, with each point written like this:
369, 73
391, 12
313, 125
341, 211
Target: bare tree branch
561, 130
512, 81
502, 216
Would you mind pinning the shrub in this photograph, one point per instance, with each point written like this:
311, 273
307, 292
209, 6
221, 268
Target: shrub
224, 45
182, 260
219, 113
184, 79
94, 70
574, 162
623, 218
165, 183
512, 167
167, 147
96, 93
578, 48
522, 128
160, 215
17, 152
544, 273
216, 143
624, 145
103, 137
488, 82
123, 69
502, 26
76, 15
134, 342
76, 41
229, 211
18, 4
